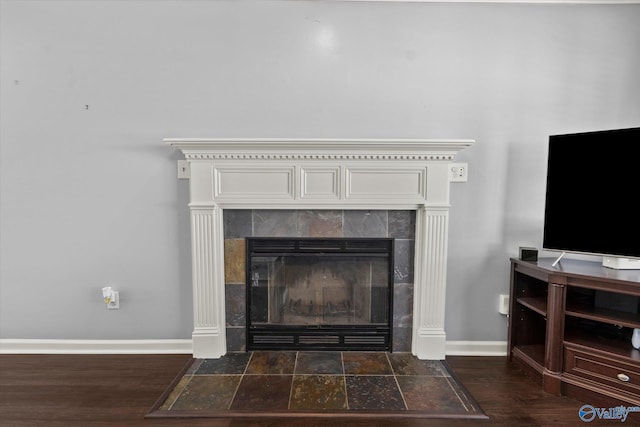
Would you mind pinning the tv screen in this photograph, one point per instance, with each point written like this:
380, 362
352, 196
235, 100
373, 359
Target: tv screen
593, 193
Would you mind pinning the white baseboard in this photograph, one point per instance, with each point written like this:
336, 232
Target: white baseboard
476, 348
35, 346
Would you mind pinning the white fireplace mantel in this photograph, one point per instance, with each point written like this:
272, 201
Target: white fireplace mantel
319, 174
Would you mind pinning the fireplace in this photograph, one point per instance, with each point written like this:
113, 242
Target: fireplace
322, 294
327, 174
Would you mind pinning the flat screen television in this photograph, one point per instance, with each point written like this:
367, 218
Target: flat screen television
592, 201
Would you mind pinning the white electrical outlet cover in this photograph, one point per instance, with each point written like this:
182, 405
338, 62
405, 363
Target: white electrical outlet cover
114, 304
458, 172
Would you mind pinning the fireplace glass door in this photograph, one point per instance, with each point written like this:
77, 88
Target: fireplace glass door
319, 293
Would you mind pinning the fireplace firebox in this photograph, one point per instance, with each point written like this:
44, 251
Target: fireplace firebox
319, 293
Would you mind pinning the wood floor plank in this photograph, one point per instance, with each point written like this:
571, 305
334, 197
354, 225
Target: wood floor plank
118, 390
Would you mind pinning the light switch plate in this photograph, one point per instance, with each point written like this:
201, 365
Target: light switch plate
114, 304
503, 304
184, 170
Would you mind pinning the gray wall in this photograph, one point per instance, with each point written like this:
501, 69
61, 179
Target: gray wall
89, 195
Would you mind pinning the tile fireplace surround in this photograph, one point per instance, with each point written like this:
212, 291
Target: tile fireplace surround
319, 174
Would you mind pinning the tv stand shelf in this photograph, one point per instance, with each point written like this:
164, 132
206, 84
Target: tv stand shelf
539, 305
570, 328
630, 320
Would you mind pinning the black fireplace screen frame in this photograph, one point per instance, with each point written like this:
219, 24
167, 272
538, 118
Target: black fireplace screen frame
356, 337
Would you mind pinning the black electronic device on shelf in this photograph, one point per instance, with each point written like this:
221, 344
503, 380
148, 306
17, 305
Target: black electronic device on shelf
592, 195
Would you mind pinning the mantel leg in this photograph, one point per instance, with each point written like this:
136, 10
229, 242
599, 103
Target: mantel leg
429, 338
209, 334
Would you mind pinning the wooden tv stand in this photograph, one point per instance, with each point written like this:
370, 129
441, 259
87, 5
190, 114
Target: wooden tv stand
570, 327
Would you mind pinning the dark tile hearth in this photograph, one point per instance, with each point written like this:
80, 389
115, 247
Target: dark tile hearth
317, 363
282, 383
318, 392
263, 393
374, 392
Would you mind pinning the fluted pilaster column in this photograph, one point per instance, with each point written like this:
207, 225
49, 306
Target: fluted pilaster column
207, 249
429, 338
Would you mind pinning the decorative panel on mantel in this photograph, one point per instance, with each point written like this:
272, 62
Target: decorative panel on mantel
240, 183
320, 183
397, 183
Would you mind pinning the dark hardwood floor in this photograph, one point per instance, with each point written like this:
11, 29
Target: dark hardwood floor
118, 390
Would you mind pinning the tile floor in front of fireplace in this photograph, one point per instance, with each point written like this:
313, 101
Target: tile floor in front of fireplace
318, 381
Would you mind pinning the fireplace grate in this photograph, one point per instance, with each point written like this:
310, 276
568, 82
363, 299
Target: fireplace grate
319, 339
345, 340
365, 340
319, 246
273, 339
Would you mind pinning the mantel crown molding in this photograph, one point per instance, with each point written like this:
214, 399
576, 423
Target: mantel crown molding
318, 149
